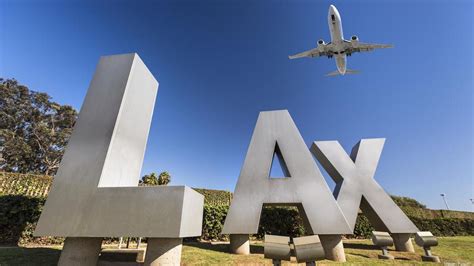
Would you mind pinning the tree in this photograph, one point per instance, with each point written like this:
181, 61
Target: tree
149, 180
34, 130
152, 180
164, 178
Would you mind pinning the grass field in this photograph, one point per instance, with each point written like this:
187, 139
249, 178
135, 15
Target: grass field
459, 250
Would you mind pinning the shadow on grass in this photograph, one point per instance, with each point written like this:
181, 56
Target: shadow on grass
359, 255
222, 247
205, 245
401, 258
360, 246
29, 256
256, 249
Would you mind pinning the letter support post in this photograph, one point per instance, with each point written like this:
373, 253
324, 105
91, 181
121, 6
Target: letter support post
239, 244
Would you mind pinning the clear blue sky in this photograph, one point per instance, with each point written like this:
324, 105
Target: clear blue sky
221, 62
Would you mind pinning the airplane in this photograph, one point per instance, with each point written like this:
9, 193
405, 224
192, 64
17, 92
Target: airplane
338, 47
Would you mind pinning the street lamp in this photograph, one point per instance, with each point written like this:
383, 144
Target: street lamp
445, 202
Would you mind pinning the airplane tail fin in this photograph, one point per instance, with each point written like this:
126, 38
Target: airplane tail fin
336, 72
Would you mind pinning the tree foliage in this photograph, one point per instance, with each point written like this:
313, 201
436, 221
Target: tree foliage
34, 130
153, 180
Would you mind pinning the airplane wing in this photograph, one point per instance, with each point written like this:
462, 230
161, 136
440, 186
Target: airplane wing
366, 47
310, 53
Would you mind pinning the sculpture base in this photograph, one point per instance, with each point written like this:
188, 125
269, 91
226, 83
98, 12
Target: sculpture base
430, 258
80, 251
333, 247
386, 257
163, 251
403, 242
239, 244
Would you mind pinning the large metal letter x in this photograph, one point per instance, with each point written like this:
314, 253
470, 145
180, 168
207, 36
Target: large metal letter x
355, 184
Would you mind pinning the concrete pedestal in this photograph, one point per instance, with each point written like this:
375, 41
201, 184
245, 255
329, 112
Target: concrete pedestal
333, 247
163, 251
403, 242
80, 251
239, 244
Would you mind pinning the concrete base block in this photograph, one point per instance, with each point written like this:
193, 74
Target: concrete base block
333, 247
239, 244
386, 257
430, 258
80, 251
163, 251
403, 242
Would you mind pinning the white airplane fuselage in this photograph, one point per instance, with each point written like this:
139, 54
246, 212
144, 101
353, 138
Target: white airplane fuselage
337, 38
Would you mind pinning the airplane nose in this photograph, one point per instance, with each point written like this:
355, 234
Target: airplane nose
332, 8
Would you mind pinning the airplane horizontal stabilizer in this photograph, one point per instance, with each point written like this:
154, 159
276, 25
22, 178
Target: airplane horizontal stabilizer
336, 72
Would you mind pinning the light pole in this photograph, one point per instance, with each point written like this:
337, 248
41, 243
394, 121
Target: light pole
445, 202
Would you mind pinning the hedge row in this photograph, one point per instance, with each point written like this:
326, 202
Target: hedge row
38, 186
31, 185
18, 218
286, 221
215, 197
19, 214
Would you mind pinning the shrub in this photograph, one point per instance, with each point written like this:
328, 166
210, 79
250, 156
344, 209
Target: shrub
284, 221
445, 226
407, 202
18, 217
213, 222
362, 228
215, 197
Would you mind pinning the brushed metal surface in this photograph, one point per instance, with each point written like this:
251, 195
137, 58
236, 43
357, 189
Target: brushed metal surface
425, 239
95, 193
305, 187
382, 239
356, 186
277, 247
308, 249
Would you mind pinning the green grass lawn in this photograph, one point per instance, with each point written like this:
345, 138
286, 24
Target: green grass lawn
358, 252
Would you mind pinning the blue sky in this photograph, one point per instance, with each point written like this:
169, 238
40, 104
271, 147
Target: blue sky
221, 62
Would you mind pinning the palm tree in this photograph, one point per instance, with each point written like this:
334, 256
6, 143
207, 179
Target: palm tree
152, 180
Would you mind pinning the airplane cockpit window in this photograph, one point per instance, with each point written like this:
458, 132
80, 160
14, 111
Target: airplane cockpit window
333, 18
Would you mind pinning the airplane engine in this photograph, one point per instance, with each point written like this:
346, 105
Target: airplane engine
354, 38
321, 43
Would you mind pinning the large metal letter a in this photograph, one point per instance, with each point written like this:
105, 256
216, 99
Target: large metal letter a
305, 187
